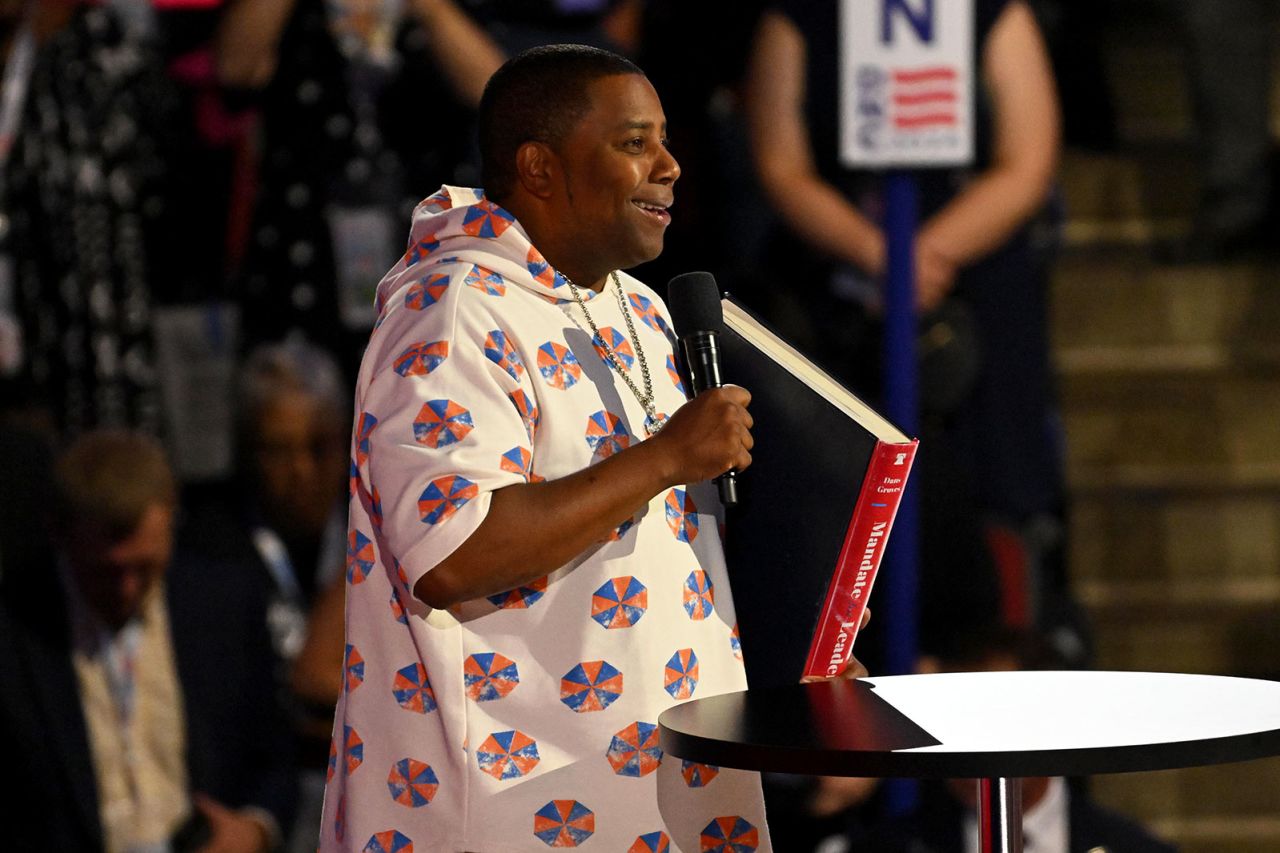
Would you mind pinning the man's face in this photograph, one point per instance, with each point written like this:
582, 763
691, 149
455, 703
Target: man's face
301, 463
114, 575
618, 176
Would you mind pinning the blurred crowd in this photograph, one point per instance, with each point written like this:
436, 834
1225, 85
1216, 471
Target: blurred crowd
197, 199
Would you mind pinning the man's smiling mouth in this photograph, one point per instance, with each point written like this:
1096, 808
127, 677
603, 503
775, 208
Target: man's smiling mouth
654, 210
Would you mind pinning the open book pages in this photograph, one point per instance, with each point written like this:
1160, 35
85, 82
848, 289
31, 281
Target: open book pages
738, 320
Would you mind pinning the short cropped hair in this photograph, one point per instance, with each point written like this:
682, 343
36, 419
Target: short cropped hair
271, 370
538, 95
110, 478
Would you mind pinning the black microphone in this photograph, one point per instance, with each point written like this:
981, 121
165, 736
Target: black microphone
694, 300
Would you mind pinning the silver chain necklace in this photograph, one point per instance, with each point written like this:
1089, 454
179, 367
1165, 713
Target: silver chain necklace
653, 422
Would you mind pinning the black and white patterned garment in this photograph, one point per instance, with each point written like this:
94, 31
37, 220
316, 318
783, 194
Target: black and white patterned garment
86, 194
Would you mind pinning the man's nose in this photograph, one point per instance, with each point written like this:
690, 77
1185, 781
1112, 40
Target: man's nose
665, 169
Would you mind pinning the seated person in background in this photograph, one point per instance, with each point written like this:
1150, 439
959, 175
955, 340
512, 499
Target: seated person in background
287, 520
1058, 816
293, 425
137, 686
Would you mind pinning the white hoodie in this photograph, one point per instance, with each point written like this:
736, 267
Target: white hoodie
526, 719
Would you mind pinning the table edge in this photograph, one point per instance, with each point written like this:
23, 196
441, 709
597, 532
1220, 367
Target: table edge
940, 764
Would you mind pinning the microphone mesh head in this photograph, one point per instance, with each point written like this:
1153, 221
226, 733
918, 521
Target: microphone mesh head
694, 300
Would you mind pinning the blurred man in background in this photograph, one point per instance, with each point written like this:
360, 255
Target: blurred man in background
138, 689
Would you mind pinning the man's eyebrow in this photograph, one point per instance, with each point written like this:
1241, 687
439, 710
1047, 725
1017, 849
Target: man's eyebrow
638, 124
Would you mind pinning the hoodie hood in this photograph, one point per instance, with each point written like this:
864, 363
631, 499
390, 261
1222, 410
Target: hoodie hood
460, 225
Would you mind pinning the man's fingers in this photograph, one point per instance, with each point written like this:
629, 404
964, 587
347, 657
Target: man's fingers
207, 805
737, 394
854, 669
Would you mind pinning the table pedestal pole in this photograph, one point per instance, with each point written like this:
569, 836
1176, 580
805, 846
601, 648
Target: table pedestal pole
1000, 815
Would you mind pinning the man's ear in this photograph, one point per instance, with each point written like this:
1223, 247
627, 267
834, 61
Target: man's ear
536, 166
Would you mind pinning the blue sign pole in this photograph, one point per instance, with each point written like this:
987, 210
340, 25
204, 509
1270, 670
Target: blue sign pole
902, 557
907, 70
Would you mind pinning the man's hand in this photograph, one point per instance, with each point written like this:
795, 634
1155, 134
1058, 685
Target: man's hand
853, 668
935, 275
707, 436
231, 832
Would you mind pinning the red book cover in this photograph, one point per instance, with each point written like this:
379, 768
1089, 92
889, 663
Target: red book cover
859, 561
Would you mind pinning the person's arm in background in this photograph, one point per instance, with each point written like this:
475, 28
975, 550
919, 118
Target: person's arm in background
316, 677
466, 54
624, 25
248, 41
1019, 80
811, 207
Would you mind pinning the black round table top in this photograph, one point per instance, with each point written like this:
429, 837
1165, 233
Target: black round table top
984, 724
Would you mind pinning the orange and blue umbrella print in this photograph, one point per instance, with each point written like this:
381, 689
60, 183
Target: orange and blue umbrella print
620, 602
591, 686
412, 783
564, 823
508, 755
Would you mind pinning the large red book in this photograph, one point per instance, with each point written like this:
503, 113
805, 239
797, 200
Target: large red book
815, 508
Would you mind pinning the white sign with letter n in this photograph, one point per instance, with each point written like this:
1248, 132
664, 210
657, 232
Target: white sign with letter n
906, 83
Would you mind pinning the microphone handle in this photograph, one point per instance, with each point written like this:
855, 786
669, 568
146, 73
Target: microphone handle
728, 483
702, 355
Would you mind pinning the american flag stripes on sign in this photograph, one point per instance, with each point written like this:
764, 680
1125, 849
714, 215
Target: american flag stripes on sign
924, 98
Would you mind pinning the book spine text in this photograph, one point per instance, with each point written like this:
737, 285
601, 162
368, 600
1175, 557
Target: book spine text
860, 557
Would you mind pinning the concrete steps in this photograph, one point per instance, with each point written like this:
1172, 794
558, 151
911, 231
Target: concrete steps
1170, 390
1193, 543
1117, 309
1211, 429
1171, 408
1231, 808
1113, 200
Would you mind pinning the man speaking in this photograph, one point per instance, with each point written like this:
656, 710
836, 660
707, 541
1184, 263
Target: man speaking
534, 568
